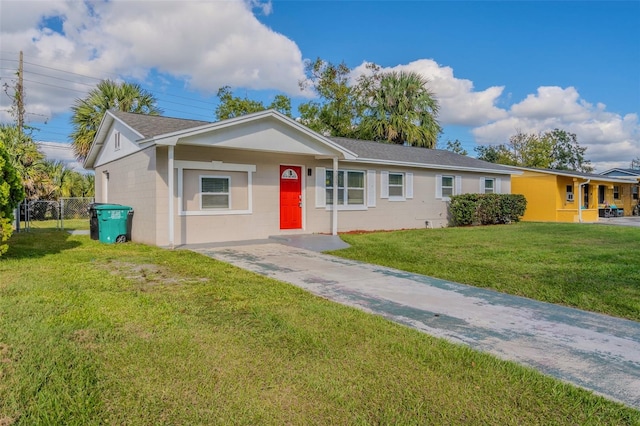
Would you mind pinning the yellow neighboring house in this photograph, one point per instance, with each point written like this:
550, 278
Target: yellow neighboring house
569, 196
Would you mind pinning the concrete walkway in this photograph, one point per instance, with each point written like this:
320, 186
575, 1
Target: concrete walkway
597, 352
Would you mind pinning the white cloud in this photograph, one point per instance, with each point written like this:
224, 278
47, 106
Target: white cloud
611, 139
55, 151
206, 43
459, 103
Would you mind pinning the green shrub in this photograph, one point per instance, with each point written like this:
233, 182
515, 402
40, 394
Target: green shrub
11, 193
486, 209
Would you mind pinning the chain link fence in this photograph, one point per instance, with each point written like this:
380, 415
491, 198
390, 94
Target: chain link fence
65, 213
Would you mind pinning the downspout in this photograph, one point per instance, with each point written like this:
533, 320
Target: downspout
171, 192
334, 212
580, 199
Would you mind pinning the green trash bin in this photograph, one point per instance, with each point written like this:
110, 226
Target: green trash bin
114, 223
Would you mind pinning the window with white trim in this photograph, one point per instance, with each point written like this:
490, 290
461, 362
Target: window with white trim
616, 192
214, 192
350, 187
447, 185
489, 185
634, 192
116, 141
396, 185
569, 193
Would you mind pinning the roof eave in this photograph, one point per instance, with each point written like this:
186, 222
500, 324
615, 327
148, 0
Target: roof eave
436, 166
98, 140
568, 173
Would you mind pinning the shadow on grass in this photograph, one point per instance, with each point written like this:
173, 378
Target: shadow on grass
38, 243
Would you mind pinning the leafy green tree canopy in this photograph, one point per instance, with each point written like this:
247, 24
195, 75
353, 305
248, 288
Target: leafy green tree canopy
11, 193
455, 146
108, 94
337, 109
25, 157
232, 106
556, 149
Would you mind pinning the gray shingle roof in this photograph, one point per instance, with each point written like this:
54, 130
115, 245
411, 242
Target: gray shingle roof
154, 125
408, 154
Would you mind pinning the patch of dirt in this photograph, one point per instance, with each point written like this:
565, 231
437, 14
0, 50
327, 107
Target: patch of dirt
138, 331
147, 274
4, 355
6, 421
86, 337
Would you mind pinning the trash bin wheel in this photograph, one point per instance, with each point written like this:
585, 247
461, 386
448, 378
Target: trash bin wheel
121, 239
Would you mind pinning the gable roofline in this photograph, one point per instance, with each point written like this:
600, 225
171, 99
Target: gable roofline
630, 172
579, 175
171, 139
101, 134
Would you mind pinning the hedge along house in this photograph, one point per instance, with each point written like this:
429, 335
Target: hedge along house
569, 196
264, 174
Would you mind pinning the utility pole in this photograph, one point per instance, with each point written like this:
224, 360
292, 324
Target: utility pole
20, 95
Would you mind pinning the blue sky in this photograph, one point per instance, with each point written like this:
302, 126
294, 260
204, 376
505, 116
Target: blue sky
496, 67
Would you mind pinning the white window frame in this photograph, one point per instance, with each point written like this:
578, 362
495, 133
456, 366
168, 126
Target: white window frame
616, 192
400, 197
116, 141
228, 193
635, 190
214, 167
457, 186
328, 204
407, 186
493, 185
569, 193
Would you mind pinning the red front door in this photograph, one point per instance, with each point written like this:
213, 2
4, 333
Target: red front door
290, 197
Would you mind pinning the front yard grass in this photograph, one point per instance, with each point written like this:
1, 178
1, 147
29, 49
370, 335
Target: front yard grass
591, 267
130, 334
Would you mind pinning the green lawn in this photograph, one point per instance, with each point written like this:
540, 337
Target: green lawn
131, 334
592, 267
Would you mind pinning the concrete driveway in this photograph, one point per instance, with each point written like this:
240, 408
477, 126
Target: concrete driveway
597, 352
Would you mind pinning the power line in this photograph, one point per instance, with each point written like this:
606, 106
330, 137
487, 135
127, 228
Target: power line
57, 87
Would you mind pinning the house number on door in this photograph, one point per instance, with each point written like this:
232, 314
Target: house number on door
289, 174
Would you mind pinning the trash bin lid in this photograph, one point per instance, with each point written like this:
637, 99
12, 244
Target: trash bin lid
112, 207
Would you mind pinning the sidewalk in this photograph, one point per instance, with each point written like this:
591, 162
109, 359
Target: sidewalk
597, 352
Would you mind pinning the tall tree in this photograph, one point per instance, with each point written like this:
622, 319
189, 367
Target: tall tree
232, 106
499, 154
399, 109
25, 157
635, 164
108, 94
11, 193
337, 109
567, 153
530, 150
556, 149
455, 146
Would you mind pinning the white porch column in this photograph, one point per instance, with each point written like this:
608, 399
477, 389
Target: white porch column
580, 199
170, 177
334, 220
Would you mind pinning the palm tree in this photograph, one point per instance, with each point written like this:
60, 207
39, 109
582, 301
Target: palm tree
400, 109
108, 94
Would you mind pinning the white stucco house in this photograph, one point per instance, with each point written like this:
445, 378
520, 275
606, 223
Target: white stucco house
264, 174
